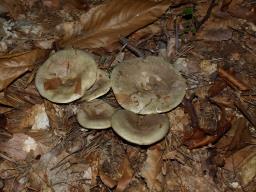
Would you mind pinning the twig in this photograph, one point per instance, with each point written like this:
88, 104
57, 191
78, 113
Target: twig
240, 106
136, 51
177, 45
232, 80
7, 158
191, 111
206, 17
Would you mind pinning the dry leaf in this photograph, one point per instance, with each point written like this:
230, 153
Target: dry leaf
243, 161
152, 169
12, 66
126, 176
106, 23
108, 181
216, 29
34, 118
20, 145
14, 7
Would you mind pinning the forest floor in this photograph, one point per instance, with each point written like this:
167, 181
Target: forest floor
211, 143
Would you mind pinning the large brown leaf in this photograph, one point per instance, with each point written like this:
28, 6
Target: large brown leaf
106, 23
12, 66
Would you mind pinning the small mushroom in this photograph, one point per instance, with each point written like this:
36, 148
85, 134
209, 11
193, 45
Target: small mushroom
99, 88
140, 129
95, 114
66, 75
147, 86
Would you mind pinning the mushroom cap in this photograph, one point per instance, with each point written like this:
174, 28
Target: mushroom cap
66, 75
95, 114
147, 86
140, 129
99, 88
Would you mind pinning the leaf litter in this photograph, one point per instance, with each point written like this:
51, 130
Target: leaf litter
210, 145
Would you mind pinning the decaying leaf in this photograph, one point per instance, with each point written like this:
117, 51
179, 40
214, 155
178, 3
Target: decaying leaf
30, 118
127, 174
106, 23
244, 162
151, 170
20, 145
12, 66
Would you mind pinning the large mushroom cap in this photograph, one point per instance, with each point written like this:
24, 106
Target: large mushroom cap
95, 114
140, 129
147, 86
66, 75
99, 88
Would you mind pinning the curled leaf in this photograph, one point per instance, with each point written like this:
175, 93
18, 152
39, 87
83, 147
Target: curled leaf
106, 23
15, 65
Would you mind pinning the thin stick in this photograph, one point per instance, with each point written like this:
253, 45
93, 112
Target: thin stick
231, 79
136, 51
208, 14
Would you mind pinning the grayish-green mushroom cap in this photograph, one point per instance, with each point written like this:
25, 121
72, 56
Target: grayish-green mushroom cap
95, 114
66, 75
99, 88
140, 129
147, 86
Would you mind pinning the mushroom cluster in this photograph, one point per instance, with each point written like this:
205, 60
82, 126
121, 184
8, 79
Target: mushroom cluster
144, 88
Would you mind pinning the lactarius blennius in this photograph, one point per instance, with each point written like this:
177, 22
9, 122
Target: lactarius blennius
140, 129
66, 75
95, 114
100, 87
147, 86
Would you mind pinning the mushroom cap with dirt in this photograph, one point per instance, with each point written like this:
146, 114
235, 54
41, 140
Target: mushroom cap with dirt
99, 88
95, 114
147, 86
66, 75
140, 129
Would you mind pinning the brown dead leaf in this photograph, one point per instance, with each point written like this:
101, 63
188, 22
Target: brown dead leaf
237, 10
28, 118
106, 23
238, 141
126, 176
20, 145
108, 181
145, 32
4, 134
12, 66
216, 29
152, 169
216, 87
14, 7
244, 163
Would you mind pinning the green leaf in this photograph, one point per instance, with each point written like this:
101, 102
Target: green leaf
188, 11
